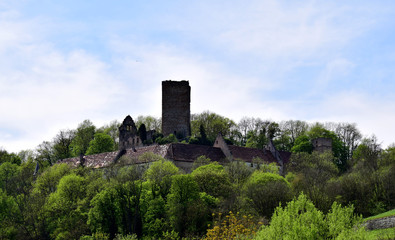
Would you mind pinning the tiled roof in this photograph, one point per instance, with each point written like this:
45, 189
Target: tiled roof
189, 152
176, 152
247, 154
105, 159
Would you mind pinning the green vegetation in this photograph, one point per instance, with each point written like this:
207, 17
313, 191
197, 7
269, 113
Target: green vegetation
157, 200
382, 215
381, 234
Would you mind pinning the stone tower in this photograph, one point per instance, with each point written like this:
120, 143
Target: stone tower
322, 144
128, 136
176, 113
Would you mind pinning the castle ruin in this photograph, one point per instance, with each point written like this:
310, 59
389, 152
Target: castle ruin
176, 113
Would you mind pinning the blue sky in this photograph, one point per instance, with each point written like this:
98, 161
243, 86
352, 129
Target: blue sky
62, 62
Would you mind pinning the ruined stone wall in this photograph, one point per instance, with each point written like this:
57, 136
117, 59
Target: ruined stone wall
176, 113
128, 137
322, 144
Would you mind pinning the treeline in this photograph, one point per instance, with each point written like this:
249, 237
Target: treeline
159, 201
292, 136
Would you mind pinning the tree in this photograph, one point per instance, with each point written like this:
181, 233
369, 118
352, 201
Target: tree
61, 144
265, 191
142, 131
302, 144
186, 211
212, 123
159, 176
101, 143
66, 210
350, 136
112, 129
299, 219
212, 179
105, 214
150, 122
83, 135
46, 154
9, 157
313, 171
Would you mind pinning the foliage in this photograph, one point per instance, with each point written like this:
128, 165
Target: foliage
187, 213
83, 135
159, 176
164, 140
200, 161
212, 123
300, 219
264, 191
212, 179
232, 226
100, 143
104, 216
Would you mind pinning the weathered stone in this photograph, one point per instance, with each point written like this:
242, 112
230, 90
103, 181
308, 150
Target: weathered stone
322, 144
381, 223
128, 136
176, 113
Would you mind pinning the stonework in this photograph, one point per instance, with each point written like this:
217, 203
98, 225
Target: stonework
322, 144
176, 113
128, 136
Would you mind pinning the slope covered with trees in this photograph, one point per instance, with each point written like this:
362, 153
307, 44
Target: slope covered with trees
159, 201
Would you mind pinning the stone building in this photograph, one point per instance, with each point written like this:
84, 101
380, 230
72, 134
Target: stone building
322, 144
176, 113
128, 135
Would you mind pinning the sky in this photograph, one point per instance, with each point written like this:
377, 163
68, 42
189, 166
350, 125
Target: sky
62, 62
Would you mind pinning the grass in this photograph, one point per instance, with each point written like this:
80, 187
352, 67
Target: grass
388, 233
381, 215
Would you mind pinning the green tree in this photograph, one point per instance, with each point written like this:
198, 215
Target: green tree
101, 143
264, 191
105, 213
313, 173
213, 124
186, 212
8, 171
9, 157
302, 144
83, 135
300, 219
66, 209
8, 213
159, 176
212, 179
61, 144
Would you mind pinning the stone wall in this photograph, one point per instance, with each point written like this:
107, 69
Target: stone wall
176, 113
381, 223
322, 144
128, 137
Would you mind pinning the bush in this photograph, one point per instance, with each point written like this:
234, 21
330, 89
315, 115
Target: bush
265, 191
300, 219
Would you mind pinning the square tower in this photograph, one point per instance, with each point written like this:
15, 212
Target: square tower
176, 112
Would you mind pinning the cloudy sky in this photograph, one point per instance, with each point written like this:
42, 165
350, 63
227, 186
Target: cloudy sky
65, 61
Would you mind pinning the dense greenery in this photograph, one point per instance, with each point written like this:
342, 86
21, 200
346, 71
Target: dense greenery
159, 201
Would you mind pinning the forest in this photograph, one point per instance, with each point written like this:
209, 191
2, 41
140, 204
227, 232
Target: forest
319, 196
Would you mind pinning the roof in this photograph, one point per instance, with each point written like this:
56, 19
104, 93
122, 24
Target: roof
105, 159
190, 152
247, 154
176, 152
